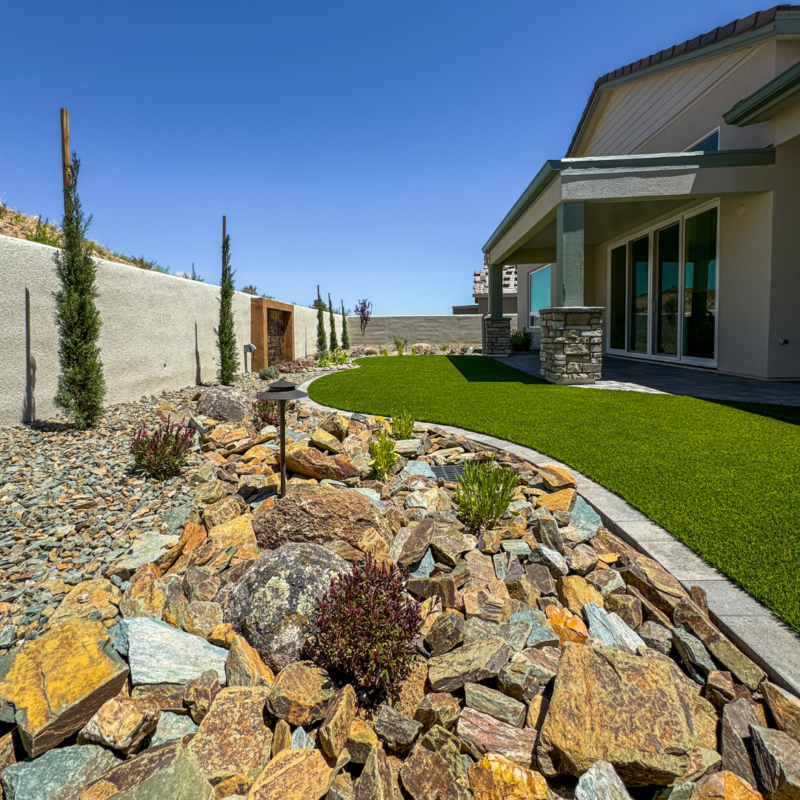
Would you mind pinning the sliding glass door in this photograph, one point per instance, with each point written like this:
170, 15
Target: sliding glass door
662, 299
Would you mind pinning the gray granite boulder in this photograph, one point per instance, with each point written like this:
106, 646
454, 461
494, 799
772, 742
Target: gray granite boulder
273, 604
225, 404
60, 773
171, 727
601, 782
158, 653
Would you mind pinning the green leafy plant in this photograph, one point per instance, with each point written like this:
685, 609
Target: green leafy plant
195, 277
444, 348
403, 425
484, 492
267, 412
334, 342
400, 345
521, 340
381, 454
384, 351
345, 334
464, 349
148, 264
413, 351
81, 385
269, 374
3, 210
366, 624
250, 289
162, 453
226, 335
45, 233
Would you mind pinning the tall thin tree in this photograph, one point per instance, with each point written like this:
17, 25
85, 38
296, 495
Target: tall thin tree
345, 334
333, 340
226, 335
321, 338
81, 385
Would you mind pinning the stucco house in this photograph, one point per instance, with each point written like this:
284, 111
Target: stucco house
676, 210
480, 292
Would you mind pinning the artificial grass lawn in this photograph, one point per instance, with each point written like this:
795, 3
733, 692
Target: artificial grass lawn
723, 478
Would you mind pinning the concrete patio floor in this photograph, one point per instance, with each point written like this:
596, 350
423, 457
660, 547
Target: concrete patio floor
626, 374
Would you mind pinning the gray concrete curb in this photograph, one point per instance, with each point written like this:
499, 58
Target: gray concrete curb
753, 628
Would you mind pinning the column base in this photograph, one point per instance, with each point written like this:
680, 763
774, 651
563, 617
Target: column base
496, 337
572, 344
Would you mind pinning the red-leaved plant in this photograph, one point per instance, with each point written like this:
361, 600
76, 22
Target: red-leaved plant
161, 453
366, 626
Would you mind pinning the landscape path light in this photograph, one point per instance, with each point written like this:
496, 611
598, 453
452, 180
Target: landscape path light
281, 391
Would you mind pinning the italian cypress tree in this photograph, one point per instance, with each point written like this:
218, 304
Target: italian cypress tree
345, 334
321, 338
81, 386
226, 336
334, 342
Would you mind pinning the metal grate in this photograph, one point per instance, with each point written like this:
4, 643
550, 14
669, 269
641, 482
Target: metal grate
450, 472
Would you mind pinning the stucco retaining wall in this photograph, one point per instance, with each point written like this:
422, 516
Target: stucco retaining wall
433, 330
158, 331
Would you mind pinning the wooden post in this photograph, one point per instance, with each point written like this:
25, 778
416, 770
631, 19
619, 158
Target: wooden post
65, 154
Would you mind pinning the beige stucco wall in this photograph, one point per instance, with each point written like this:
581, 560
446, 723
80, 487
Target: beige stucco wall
433, 330
305, 330
158, 331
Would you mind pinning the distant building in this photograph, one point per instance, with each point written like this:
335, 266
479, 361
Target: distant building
480, 291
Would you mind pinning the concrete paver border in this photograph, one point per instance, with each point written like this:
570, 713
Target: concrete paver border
751, 626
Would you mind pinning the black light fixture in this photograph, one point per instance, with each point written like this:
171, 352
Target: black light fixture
281, 391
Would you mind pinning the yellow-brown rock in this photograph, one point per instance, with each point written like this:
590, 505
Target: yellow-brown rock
372, 543
244, 666
375, 782
558, 501
121, 723
537, 710
640, 714
326, 442
233, 738
221, 512
724, 786
145, 597
7, 753
497, 778
281, 737
98, 597
360, 740
300, 693
236, 533
57, 682
575, 592
259, 453
567, 626
222, 635
336, 723
556, 478
292, 775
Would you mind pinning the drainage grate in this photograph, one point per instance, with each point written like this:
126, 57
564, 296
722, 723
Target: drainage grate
450, 472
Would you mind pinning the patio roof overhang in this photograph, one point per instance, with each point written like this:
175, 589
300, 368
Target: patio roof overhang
619, 193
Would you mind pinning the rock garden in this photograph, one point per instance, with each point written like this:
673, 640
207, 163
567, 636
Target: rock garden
419, 617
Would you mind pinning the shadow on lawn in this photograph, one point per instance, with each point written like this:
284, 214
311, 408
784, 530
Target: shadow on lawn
481, 369
787, 414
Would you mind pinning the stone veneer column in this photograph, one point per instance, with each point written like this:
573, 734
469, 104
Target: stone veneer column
572, 344
496, 337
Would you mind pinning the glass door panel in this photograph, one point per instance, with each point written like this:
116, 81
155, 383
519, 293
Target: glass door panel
667, 289
639, 294
700, 285
617, 296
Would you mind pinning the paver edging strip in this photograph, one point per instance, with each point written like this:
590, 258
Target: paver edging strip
752, 627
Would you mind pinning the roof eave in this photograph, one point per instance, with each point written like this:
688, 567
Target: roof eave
756, 107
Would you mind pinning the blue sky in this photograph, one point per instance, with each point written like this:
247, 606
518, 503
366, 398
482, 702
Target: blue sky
369, 147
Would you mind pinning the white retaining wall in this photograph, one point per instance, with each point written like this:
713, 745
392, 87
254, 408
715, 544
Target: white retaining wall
158, 331
433, 330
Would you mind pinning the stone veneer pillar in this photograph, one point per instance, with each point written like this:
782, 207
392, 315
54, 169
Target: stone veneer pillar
572, 344
496, 337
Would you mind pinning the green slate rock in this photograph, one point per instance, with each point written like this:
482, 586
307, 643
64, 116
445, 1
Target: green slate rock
396, 730
172, 727
60, 774
471, 664
182, 779
495, 704
601, 782
778, 761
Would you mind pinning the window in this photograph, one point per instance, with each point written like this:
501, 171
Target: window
706, 145
540, 293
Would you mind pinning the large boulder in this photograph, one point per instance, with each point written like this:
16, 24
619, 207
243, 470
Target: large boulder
273, 603
319, 514
639, 713
225, 404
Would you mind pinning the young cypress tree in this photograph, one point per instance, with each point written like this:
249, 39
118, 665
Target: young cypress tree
81, 386
334, 342
321, 338
226, 336
345, 334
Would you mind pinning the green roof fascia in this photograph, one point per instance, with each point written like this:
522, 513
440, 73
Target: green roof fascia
779, 88
716, 159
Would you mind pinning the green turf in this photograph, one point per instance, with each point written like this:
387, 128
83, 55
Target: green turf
723, 478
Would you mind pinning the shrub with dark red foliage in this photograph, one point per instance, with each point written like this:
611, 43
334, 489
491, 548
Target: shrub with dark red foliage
161, 453
366, 625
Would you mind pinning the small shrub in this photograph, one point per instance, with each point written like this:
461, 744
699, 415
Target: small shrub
161, 453
484, 492
464, 349
267, 412
269, 374
366, 627
382, 455
364, 313
521, 341
384, 351
444, 347
400, 345
403, 425
413, 351
3, 210
45, 233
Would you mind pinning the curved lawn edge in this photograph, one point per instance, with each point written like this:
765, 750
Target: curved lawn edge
720, 489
